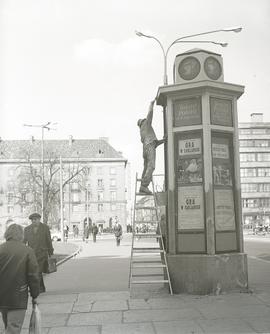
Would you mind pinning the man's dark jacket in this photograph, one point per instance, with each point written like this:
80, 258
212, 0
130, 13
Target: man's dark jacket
18, 271
40, 242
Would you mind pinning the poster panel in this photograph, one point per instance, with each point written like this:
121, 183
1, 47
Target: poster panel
222, 165
224, 210
190, 208
187, 112
221, 112
189, 170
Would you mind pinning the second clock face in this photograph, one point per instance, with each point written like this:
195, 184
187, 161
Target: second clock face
212, 68
189, 68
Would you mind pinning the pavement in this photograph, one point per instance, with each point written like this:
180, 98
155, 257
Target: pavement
148, 311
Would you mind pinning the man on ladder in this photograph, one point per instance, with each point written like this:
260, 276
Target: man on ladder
150, 143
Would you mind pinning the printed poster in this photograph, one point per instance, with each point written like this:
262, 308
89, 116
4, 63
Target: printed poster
224, 210
190, 146
190, 208
222, 166
221, 112
187, 112
189, 170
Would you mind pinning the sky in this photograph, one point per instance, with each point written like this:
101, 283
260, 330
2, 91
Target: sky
78, 63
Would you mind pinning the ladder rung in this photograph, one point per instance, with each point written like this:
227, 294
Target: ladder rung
149, 266
143, 194
146, 250
145, 207
147, 275
146, 221
147, 235
147, 261
150, 282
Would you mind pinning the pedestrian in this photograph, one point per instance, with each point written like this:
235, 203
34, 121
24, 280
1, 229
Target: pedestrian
150, 143
38, 236
76, 231
117, 232
66, 230
86, 232
95, 232
18, 272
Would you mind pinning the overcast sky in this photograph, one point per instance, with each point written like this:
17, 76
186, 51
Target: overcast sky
78, 63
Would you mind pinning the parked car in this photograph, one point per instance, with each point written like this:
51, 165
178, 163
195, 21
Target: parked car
56, 235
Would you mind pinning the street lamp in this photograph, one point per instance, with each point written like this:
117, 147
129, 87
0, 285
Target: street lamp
42, 127
180, 40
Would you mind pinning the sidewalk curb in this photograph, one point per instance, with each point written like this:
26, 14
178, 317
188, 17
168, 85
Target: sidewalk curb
69, 256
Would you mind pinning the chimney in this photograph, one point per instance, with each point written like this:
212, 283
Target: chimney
256, 117
32, 139
70, 140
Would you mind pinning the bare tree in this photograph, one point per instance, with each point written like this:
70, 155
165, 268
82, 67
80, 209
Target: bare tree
28, 192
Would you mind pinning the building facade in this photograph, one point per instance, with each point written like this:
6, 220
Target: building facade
254, 139
95, 181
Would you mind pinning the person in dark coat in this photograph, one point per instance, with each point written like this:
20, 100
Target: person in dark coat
95, 232
118, 232
38, 236
18, 271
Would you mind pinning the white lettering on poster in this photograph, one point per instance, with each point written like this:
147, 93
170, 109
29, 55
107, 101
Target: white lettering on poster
224, 210
190, 208
220, 151
190, 146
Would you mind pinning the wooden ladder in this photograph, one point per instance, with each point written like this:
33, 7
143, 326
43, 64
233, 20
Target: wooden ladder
148, 262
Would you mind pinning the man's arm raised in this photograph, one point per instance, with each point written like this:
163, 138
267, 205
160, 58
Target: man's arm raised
150, 112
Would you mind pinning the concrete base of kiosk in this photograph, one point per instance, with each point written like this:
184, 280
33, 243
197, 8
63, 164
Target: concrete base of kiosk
208, 274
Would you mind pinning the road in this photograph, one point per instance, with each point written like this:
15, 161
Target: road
105, 267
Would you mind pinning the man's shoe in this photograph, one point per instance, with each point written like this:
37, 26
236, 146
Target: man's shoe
145, 190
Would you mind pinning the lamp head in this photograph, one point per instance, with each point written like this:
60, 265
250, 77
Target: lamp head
138, 33
234, 29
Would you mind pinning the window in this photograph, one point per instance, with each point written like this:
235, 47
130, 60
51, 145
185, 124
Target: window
10, 196
244, 131
75, 186
258, 131
264, 187
247, 157
112, 170
100, 195
75, 197
261, 143
263, 157
100, 207
113, 195
100, 183
249, 187
250, 203
246, 143
10, 208
113, 207
263, 171
75, 208
248, 172
113, 182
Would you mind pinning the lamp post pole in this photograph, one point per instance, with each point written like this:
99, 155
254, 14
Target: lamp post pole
182, 40
42, 126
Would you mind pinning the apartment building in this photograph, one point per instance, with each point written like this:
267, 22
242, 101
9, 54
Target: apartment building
254, 139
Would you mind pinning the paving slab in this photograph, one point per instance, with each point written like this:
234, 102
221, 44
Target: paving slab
232, 312
110, 305
259, 324
138, 304
49, 320
75, 330
105, 295
146, 328
95, 318
64, 298
77, 308
56, 308
159, 315
166, 303
225, 327
178, 327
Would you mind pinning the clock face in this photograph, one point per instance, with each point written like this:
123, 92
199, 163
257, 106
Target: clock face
189, 68
212, 68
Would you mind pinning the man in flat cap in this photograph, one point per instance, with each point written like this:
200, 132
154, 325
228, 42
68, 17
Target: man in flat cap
150, 143
38, 236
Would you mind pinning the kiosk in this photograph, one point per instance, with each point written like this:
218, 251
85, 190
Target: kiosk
202, 177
